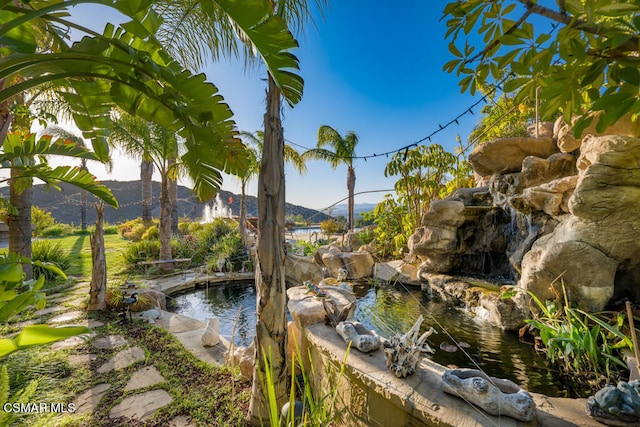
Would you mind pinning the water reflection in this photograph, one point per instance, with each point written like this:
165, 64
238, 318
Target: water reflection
223, 301
389, 310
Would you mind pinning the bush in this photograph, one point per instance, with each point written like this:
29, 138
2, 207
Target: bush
134, 230
110, 229
57, 230
141, 251
41, 220
151, 233
50, 251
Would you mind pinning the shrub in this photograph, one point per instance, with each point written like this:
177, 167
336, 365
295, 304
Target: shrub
41, 220
50, 251
141, 251
110, 229
151, 233
57, 230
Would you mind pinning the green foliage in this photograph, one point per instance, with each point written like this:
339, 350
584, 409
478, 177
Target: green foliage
390, 239
134, 229
426, 173
317, 410
588, 63
57, 230
40, 219
50, 251
330, 226
140, 251
16, 295
585, 346
150, 233
503, 117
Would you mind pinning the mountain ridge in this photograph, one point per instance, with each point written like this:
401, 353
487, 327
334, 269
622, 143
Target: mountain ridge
65, 205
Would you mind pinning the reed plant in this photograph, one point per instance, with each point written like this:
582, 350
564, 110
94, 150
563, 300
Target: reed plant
317, 410
585, 346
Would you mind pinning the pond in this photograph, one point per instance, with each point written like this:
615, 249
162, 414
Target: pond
387, 310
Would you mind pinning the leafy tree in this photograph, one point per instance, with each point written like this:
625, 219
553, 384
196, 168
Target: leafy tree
590, 62
341, 150
502, 117
423, 172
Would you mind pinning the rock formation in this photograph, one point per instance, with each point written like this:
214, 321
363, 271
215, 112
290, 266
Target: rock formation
557, 210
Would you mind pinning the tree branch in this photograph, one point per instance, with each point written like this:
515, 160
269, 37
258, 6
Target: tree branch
496, 42
631, 45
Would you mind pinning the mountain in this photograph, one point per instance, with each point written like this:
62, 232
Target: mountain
65, 205
358, 208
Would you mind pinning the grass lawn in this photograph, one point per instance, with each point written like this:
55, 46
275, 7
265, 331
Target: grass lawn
81, 245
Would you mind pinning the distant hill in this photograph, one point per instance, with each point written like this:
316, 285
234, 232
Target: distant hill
65, 205
358, 208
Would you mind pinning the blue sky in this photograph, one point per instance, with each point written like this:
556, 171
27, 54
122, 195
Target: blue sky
369, 67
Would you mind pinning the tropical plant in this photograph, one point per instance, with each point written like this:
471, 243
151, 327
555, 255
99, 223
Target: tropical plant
69, 137
337, 150
586, 347
50, 252
256, 139
587, 61
16, 295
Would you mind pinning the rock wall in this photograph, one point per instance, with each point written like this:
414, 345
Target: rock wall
556, 210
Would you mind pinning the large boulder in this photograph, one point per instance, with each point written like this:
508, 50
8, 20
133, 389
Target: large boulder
506, 154
307, 310
359, 265
567, 142
297, 269
553, 197
588, 249
536, 171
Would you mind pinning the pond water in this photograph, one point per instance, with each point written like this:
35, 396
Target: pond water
388, 310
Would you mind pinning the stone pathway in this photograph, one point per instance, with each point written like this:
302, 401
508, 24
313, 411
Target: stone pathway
123, 359
66, 317
110, 342
141, 406
143, 378
49, 310
88, 400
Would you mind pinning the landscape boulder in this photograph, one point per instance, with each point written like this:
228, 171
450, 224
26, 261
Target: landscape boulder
505, 155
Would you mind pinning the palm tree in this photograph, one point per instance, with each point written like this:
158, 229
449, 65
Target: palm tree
145, 140
59, 132
344, 150
255, 148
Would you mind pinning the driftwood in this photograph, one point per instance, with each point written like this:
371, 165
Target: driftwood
403, 352
98, 288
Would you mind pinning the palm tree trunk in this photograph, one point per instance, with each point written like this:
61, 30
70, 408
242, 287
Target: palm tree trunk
98, 287
351, 185
20, 223
83, 200
165, 224
242, 225
271, 331
146, 175
173, 197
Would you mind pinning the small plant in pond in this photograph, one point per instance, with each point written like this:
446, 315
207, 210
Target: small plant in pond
317, 410
584, 346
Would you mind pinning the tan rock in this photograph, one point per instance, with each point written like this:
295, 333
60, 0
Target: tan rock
359, 265
300, 268
87, 401
536, 171
307, 310
551, 197
567, 142
506, 155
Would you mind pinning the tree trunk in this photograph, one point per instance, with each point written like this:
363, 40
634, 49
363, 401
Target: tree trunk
146, 175
20, 223
165, 224
242, 224
351, 185
83, 201
98, 287
173, 197
271, 332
